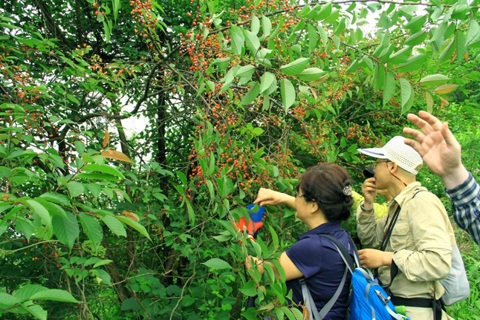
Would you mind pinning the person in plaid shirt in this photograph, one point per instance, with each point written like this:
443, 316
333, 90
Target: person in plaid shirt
441, 152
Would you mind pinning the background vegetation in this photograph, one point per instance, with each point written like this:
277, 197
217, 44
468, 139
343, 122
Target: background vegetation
229, 96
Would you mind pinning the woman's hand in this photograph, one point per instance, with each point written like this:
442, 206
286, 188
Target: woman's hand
267, 197
250, 261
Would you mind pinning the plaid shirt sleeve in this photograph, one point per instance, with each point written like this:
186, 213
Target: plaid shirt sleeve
465, 200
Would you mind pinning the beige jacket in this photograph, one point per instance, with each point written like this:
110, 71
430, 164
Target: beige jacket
421, 240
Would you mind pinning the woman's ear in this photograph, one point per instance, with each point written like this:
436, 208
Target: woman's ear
314, 206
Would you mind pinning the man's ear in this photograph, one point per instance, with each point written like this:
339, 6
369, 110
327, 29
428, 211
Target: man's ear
393, 167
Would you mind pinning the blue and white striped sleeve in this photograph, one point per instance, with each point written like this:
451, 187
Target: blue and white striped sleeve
465, 200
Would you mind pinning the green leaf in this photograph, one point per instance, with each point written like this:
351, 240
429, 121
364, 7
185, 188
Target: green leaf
266, 81
52, 208
217, 264
246, 71
7, 300
35, 310
311, 74
379, 79
103, 168
448, 52
252, 41
434, 80
40, 210
461, 45
114, 225
416, 38
56, 198
66, 229
255, 25
287, 91
25, 292
54, 295
91, 227
252, 94
312, 37
249, 289
222, 63
406, 95
135, 225
295, 67
416, 23
429, 101
238, 40
412, 64
473, 33
400, 56
388, 88
75, 188
266, 26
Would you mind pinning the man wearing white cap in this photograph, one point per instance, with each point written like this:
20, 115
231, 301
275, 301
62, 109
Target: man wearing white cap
414, 238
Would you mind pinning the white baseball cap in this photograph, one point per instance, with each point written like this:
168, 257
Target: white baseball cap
397, 151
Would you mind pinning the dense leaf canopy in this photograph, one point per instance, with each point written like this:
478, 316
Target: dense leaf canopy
134, 133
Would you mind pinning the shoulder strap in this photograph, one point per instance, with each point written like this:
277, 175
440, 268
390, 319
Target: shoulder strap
394, 267
347, 259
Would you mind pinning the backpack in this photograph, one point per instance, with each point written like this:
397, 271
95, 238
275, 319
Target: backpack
456, 284
368, 300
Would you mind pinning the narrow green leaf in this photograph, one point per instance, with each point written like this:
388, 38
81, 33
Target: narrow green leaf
252, 94
238, 40
114, 225
217, 264
412, 64
245, 71
461, 43
429, 101
400, 56
416, 38
312, 37
434, 80
388, 88
25, 292
255, 25
266, 26
406, 95
91, 227
379, 79
448, 52
7, 300
311, 74
56, 198
135, 225
295, 67
416, 23
287, 91
54, 295
103, 168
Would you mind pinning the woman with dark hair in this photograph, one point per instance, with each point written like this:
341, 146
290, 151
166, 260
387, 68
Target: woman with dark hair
323, 199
